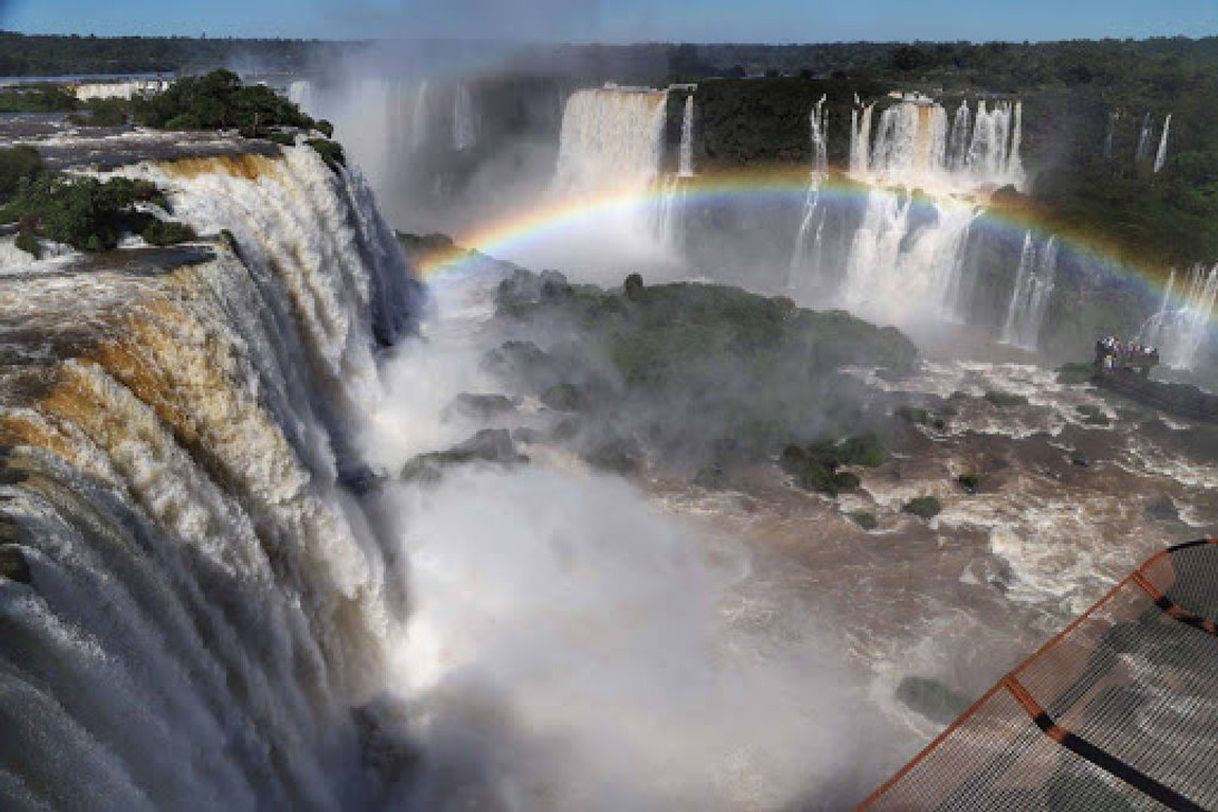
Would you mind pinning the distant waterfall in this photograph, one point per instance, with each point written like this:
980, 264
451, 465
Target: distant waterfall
206, 603
1034, 282
612, 143
1145, 136
1180, 328
915, 145
860, 138
685, 166
1161, 155
896, 268
812, 222
418, 117
958, 142
611, 139
464, 129
1113, 118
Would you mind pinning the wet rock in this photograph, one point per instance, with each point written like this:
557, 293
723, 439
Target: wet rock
633, 287
925, 507
13, 564
970, 482
932, 699
526, 435
1075, 374
481, 406
864, 519
489, 445
1093, 415
913, 414
1163, 509
566, 397
621, 456
712, 476
1079, 461
1004, 400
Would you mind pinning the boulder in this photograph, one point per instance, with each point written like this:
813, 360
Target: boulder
481, 406
925, 507
13, 564
489, 445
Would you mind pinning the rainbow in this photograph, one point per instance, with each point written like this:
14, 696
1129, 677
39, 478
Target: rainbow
501, 237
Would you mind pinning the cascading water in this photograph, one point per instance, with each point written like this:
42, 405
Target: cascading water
204, 601
1181, 326
1161, 155
612, 140
860, 138
612, 145
915, 145
1145, 137
1113, 118
465, 133
1034, 282
812, 222
907, 256
685, 167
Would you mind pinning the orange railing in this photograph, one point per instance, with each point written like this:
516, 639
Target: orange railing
1118, 711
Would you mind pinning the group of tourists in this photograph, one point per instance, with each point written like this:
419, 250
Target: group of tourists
1111, 353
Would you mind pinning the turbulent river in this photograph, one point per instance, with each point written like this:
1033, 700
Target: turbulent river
218, 593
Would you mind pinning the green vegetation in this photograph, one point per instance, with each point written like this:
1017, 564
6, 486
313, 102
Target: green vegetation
1093, 415
18, 167
219, 101
924, 507
1004, 400
816, 467
330, 151
37, 98
865, 520
1074, 374
86, 213
103, 113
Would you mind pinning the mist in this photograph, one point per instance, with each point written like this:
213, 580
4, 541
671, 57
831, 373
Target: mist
574, 644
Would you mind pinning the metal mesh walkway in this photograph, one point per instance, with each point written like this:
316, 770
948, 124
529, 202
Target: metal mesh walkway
1117, 712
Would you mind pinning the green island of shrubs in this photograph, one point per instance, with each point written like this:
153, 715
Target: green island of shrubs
93, 215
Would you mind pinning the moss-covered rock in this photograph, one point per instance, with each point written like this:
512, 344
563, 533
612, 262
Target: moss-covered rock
1093, 415
1074, 374
489, 446
932, 698
1005, 400
864, 519
924, 507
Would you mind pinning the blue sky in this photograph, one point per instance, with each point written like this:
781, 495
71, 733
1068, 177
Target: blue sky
623, 20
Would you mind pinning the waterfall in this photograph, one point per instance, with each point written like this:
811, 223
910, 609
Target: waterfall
1034, 282
1144, 138
1161, 155
685, 166
860, 139
903, 262
464, 129
812, 222
206, 601
1113, 118
958, 143
1180, 329
915, 145
418, 117
611, 139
